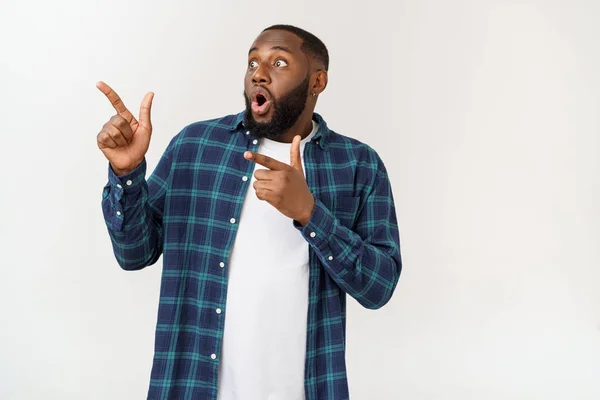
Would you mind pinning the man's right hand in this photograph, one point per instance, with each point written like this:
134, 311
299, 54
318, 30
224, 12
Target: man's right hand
123, 139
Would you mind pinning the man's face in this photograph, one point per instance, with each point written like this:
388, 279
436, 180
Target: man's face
276, 83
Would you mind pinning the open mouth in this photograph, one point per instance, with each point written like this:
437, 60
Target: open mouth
260, 99
260, 104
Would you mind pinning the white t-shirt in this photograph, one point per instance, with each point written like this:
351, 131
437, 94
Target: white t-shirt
264, 338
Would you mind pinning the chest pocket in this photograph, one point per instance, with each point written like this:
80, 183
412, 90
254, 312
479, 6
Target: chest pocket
344, 207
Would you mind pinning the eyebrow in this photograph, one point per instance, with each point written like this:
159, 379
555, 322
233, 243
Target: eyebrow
282, 48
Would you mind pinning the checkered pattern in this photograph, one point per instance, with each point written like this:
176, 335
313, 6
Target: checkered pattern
189, 211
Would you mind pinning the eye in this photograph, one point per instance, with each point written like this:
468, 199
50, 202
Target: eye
280, 63
252, 64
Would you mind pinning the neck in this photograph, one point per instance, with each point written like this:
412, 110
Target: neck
302, 127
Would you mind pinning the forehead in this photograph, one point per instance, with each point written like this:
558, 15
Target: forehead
271, 38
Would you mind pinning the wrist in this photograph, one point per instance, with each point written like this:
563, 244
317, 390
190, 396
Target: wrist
124, 171
307, 214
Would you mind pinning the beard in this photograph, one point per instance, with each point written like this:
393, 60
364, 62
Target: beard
286, 112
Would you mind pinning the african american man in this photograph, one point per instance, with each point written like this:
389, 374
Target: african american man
266, 220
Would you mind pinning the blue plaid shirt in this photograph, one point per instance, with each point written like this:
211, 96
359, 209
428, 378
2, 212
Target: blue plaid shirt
189, 211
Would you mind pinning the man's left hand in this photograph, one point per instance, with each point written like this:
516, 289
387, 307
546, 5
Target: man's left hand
284, 186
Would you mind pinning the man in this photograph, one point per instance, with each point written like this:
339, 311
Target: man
253, 291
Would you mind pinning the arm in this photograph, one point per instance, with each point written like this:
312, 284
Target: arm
133, 211
366, 262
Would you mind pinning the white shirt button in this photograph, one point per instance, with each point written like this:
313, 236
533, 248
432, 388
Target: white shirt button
222, 265
330, 258
213, 356
218, 311
245, 178
119, 186
254, 141
312, 234
232, 220
118, 212
129, 182
247, 132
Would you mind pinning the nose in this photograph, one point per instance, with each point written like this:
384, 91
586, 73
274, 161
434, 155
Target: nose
261, 75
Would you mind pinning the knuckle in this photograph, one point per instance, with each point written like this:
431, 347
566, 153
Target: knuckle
118, 121
122, 122
104, 139
112, 133
116, 136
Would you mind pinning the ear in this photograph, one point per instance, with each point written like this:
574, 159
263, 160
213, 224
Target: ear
321, 79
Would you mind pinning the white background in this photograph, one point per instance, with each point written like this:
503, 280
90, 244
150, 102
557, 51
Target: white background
485, 113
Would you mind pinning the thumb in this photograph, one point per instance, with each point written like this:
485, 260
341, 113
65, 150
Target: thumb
145, 111
295, 160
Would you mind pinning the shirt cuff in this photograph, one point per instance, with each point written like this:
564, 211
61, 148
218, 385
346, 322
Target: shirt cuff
320, 226
129, 182
114, 194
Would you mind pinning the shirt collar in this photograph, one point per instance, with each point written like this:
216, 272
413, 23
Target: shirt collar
238, 120
321, 137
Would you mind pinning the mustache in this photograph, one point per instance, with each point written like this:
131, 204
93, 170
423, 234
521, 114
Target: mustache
263, 88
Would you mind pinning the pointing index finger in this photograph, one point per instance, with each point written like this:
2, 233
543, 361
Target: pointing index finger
116, 101
265, 161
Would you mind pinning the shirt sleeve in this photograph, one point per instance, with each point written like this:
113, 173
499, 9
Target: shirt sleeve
365, 262
133, 210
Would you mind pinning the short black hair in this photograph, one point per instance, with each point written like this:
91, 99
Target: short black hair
311, 45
